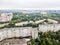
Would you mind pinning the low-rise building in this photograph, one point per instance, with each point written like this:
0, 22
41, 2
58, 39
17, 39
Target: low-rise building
2, 25
52, 21
39, 21
43, 12
21, 23
31, 22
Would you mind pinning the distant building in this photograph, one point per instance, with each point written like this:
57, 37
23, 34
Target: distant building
43, 12
2, 25
52, 21
21, 23
5, 17
29, 22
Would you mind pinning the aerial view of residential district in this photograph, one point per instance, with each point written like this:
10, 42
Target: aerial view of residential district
29, 27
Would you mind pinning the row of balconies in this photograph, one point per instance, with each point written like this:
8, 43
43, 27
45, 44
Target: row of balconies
49, 27
27, 31
18, 32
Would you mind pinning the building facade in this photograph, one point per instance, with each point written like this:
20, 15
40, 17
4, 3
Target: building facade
5, 17
49, 27
18, 32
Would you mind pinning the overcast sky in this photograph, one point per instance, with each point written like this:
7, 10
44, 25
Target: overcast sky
30, 4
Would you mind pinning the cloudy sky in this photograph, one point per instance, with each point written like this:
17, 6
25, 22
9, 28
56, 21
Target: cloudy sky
30, 4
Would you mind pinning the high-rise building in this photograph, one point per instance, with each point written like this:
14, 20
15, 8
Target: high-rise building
4, 17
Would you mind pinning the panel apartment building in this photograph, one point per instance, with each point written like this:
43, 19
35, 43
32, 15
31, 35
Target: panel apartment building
5, 17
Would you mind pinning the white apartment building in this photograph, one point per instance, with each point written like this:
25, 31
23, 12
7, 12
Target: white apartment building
49, 27
2, 25
18, 32
39, 21
21, 23
43, 12
52, 21
6, 17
